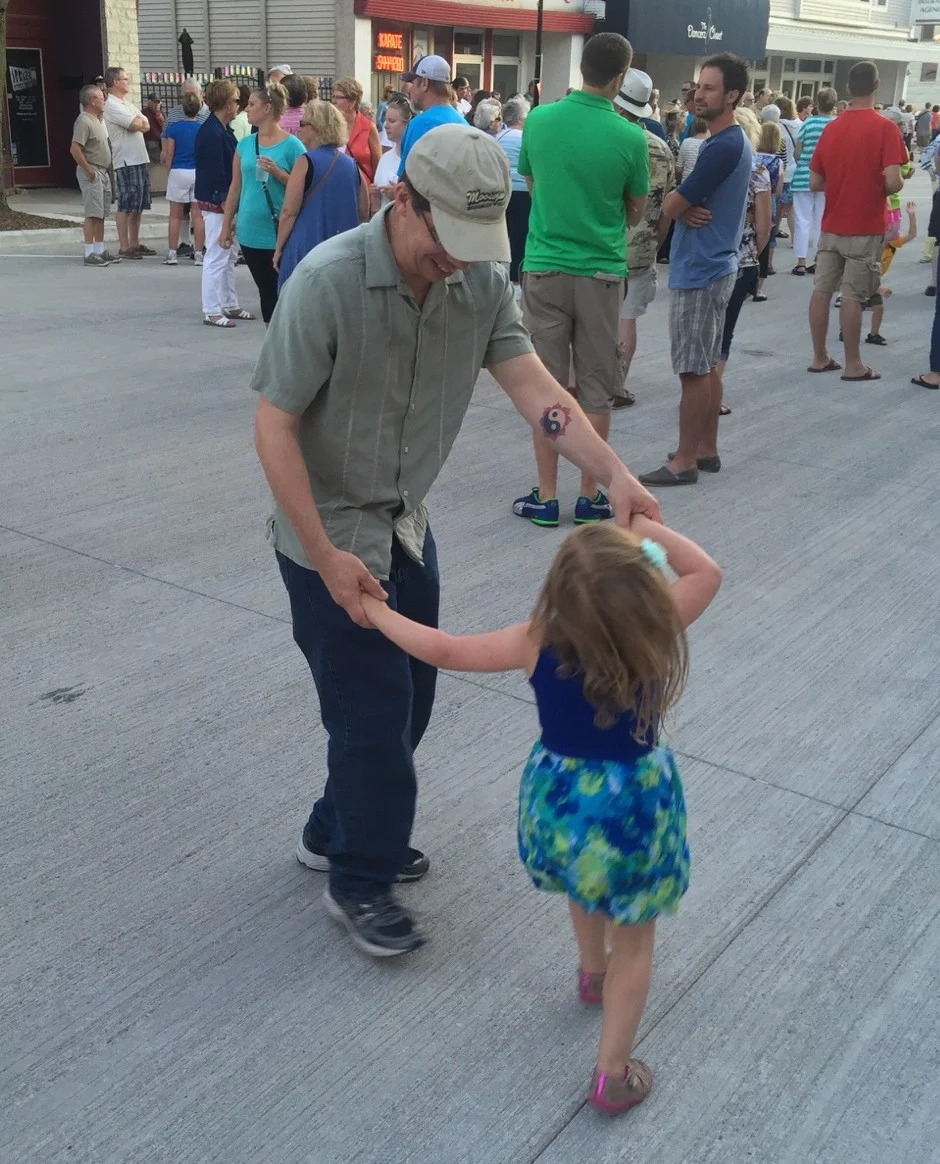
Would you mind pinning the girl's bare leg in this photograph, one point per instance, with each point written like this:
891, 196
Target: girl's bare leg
589, 930
625, 989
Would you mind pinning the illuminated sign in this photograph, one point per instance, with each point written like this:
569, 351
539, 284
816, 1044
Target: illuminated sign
387, 63
390, 42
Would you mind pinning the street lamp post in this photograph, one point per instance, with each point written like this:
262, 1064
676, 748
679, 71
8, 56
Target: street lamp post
539, 14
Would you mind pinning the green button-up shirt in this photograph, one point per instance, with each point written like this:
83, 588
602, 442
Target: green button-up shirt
380, 384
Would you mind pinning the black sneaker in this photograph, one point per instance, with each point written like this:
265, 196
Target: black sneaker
183, 250
379, 927
415, 866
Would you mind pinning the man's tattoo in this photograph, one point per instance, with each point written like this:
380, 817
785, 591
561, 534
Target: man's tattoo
555, 421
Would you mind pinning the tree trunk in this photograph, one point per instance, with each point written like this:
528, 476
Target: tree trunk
4, 205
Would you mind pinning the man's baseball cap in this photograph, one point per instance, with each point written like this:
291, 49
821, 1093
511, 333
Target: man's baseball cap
285, 69
431, 67
634, 95
464, 174
892, 113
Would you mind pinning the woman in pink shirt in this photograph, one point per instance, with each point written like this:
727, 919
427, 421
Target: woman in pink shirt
296, 99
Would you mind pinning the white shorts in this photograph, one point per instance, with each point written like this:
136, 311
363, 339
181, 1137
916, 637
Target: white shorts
641, 291
180, 186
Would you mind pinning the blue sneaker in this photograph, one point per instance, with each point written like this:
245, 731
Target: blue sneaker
539, 512
591, 509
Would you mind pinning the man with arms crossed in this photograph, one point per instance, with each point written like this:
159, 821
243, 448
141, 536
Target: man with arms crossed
857, 162
588, 170
709, 208
126, 128
351, 446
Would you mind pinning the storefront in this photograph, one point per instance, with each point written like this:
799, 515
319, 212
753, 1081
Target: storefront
53, 48
671, 40
491, 43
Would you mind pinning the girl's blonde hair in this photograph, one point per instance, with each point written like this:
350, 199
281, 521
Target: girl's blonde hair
607, 614
275, 95
327, 123
769, 138
351, 87
750, 123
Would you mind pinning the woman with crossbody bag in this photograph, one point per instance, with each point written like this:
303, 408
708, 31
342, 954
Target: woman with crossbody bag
325, 193
261, 168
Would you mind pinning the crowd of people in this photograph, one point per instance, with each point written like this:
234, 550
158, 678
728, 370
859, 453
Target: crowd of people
452, 231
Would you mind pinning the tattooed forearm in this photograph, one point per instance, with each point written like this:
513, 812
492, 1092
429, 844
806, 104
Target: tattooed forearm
555, 421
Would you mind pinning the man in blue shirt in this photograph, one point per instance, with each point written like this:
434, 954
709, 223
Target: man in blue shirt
431, 93
709, 208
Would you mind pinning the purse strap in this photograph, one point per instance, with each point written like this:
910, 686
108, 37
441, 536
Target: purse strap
326, 173
264, 187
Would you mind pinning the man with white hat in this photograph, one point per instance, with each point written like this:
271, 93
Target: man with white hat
646, 237
278, 73
431, 93
364, 380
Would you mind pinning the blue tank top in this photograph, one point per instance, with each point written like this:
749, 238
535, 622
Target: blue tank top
567, 719
328, 209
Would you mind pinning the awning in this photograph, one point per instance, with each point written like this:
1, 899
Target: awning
561, 17
693, 28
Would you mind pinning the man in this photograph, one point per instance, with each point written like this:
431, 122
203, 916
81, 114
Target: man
645, 238
431, 94
360, 403
907, 128
463, 93
764, 97
708, 208
91, 152
922, 127
126, 128
185, 248
588, 171
857, 162
747, 101
688, 106
156, 120
277, 73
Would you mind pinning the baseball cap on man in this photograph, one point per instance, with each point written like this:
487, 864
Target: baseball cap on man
634, 95
464, 174
431, 67
285, 69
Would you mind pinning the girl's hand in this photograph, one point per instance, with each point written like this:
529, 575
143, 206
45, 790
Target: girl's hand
911, 207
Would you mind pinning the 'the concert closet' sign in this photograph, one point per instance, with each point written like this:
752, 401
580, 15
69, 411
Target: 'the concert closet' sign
26, 108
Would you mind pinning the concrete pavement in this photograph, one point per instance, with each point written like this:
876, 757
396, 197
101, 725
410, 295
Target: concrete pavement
170, 987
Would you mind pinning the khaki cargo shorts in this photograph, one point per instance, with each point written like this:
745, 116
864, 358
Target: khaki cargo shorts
96, 193
850, 264
575, 318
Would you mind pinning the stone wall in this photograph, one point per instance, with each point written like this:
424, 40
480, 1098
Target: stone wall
119, 39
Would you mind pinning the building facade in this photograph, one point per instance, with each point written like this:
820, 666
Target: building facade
53, 48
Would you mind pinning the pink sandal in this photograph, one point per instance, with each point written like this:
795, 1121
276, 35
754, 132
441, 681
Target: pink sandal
591, 988
615, 1096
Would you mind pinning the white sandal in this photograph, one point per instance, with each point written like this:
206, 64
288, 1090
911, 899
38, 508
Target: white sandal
221, 321
238, 313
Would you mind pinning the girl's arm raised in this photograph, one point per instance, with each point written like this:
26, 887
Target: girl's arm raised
510, 649
699, 576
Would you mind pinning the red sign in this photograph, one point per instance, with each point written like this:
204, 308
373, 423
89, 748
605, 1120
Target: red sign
390, 41
387, 63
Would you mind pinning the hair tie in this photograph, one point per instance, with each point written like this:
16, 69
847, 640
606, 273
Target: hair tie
654, 554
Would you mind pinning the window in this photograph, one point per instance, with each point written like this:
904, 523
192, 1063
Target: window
468, 44
789, 64
809, 66
928, 72
505, 44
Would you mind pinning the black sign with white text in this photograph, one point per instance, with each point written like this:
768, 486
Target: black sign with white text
694, 28
26, 108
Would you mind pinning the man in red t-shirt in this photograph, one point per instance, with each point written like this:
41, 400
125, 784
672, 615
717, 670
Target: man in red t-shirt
857, 162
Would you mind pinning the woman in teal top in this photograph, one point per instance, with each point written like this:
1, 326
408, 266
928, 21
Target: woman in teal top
260, 169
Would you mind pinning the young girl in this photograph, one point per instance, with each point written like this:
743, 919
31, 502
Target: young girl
601, 810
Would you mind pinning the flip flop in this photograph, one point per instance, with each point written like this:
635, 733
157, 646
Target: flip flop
724, 410
870, 374
832, 366
922, 383
760, 298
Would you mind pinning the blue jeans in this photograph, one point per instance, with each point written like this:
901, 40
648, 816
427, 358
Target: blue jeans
375, 704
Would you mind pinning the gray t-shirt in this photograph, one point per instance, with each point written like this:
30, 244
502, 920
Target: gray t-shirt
381, 386
91, 134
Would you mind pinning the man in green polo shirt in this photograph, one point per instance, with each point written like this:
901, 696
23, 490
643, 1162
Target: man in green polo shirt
588, 170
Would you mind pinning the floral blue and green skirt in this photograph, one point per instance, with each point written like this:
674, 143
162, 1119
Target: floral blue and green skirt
611, 836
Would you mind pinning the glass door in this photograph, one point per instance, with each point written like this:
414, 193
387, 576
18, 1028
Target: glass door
507, 62
468, 56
